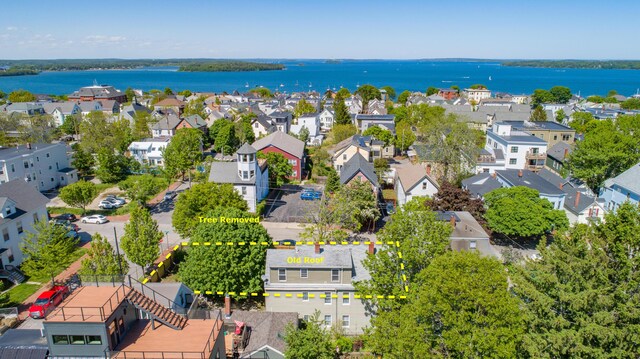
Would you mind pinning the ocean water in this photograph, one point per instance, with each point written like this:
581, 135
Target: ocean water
304, 75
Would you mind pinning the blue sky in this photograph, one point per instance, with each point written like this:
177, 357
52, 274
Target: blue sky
319, 29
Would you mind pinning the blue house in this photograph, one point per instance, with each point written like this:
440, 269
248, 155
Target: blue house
624, 187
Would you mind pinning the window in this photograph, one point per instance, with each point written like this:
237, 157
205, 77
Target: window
335, 275
555, 137
252, 173
10, 255
473, 245
294, 173
245, 174
535, 150
495, 145
282, 275
304, 273
345, 321
344, 157
19, 225
77, 340
346, 299
327, 320
424, 185
489, 141
305, 296
514, 149
293, 162
94, 340
255, 125
60, 339
35, 218
566, 137
5, 234
327, 297
244, 190
305, 317
47, 155
13, 168
513, 161
26, 164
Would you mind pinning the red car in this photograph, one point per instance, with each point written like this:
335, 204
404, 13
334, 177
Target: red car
47, 301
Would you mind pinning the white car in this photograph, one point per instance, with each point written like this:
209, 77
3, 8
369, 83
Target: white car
115, 199
96, 218
107, 205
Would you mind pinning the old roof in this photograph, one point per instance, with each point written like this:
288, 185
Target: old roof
481, 184
281, 140
557, 151
367, 117
357, 164
529, 179
98, 91
583, 202
411, 175
267, 329
627, 179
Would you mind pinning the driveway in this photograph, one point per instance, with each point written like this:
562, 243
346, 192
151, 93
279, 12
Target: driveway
284, 204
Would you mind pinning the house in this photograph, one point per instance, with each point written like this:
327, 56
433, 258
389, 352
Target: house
173, 104
319, 278
26, 108
98, 93
448, 94
149, 151
193, 121
310, 121
267, 329
550, 131
282, 120
120, 321
467, 234
346, 149
354, 104
520, 149
557, 156
622, 188
43, 165
376, 107
386, 122
413, 181
22, 206
60, 110
129, 111
359, 169
165, 125
262, 125
327, 116
110, 107
86, 107
477, 95
288, 146
248, 175
23, 343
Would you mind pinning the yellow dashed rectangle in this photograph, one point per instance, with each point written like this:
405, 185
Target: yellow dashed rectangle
161, 264
356, 296
299, 295
241, 243
334, 296
185, 243
196, 292
310, 243
288, 295
400, 255
232, 293
332, 243
207, 243
264, 243
219, 293
403, 297
195, 244
265, 294
229, 243
312, 295
254, 294
153, 272
323, 295
367, 242
145, 281
276, 294
252, 243
243, 293
344, 243
208, 292
356, 242
379, 243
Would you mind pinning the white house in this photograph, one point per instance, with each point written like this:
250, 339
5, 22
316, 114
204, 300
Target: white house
413, 181
622, 188
507, 148
43, 165
21, 205
311, 122
386, 122
59, 110
477, 94
327, 117
249, 176
149, 150
262, 125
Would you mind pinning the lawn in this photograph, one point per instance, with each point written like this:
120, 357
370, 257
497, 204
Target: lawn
20, 293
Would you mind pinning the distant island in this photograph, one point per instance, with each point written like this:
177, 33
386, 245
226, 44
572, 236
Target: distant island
577, 64
34, 67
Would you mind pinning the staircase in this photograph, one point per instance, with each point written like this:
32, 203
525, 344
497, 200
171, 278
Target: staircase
13, 275
157, 311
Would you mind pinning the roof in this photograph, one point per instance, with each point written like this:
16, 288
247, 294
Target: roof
89, 304
17, 151
557, 151
24, 352
538, 125
267, 329
481, 184
195, 121
168, 122
466, 226
167, 102
26, 197
531, 180
355, 140
584, 200
24, 339
357, 164
98, 91
627, 179
368, 117
227, 172
281, 140
410, 175
246, 149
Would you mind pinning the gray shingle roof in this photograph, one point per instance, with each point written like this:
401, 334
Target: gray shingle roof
481, 184
356, 164
529, 179
557, 151
168, 122
11, 152
246, 149
282, 141
584, 202
267, 329
627, 179
227, 172
26, 197
195, 121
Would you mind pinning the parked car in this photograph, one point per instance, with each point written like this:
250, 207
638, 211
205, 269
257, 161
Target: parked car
96, 218
108, 205
115, 199
60, 222
169, 195
73, 234
67, 217
390, 208
47, 301
310, 195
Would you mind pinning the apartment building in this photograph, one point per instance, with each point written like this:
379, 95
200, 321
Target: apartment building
43, 165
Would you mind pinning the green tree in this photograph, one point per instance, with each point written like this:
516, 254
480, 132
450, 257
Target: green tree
357, 199
343, 93
541, 96
102, 260
342, 132
195, 107
202, 198
341, 112
477, 86
380, 165
519, 211
405, 136
431, 91
403, 97
612, 93
141, 240
303, 107
580, 121
236, 268
185, 93
595, 99
560, 94
142, 188
131, 95
82, 161
48, 250
217, 125
262, 92
71, 124
244, 130
391, 92
460, 308
333, 181
168, 91
226, 141
368, 93
310, 341
560, 115
21, 96
279, 168
183, 152
79, 194
141, 124
98, 133
538, 114
631, 104
379, 133
112, 168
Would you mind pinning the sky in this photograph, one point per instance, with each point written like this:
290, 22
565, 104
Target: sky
304, 29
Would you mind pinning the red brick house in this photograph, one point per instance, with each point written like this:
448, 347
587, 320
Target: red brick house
448, 94
290, 147
98, 93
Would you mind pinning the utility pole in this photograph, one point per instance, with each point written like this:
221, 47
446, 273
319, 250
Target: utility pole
115, 235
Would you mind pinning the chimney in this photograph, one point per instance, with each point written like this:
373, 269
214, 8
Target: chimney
561, 185
575, 204
428, 170
520, 173
452, 220
372, 248
227, 306
28, 145
317, 248
566, 153
494, 175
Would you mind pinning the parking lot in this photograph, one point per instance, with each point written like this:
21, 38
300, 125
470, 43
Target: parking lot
285, 204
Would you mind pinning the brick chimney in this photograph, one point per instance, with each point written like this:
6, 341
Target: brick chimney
428, 170
452, 221
316, 248
561, 185
494, 175
520, 173
577, 201
227, 306
566, 153
372, 248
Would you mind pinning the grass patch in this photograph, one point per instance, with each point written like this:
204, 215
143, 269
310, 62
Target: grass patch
388, 194
101, 187
20, 293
